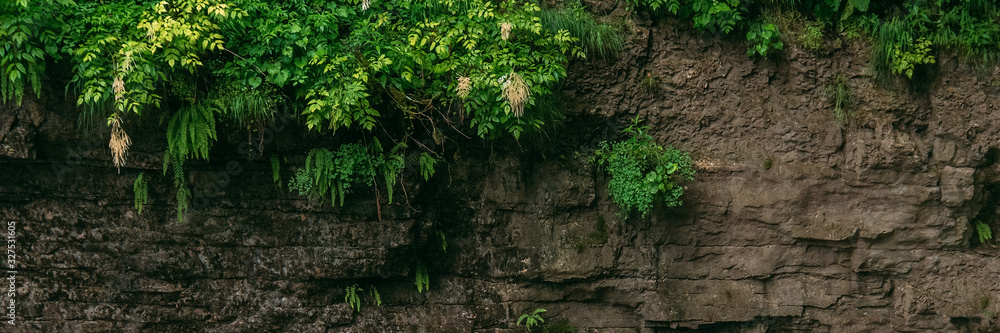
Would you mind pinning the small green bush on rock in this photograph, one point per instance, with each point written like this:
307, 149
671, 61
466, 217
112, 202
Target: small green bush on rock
643, 172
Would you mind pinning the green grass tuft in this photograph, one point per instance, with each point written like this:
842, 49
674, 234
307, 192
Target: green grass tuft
596, 38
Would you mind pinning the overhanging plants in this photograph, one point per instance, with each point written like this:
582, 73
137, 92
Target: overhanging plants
643, 173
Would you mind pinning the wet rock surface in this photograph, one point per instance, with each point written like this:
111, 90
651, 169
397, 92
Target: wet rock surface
793, 224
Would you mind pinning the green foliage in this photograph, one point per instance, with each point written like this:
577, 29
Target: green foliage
276, 170
427, 163
983, 231
183, 195
373, 292
643, 173
340, 65
716, 16
140, 189
905, 56
388, 165
248, 108
191, 132
334, 173
602, 40
531, 320
839, 92
352, 298
812, 36
444, 241
763, 38
422, 280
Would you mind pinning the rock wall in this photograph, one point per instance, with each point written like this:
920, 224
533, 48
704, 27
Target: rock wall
794, 224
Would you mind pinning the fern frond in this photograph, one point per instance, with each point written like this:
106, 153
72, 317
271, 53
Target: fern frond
423, 281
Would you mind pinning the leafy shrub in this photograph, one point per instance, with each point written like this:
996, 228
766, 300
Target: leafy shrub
643, 173
812, 36
716, 15
905, 56
763, 39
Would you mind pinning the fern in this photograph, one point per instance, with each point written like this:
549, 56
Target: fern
389, 166
427, 166
375, 295
444, 241
423, 281
191, 132
141, 192
352, 298
532, 319
276, 170
983, 231
334, 173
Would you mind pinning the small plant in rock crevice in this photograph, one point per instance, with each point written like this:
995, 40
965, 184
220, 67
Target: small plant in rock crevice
353, 299
531, 320
840, 94
983, 231
643, 173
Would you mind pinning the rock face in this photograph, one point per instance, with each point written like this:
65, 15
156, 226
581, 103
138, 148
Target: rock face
794, 224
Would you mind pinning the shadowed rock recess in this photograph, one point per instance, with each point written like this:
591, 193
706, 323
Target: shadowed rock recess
793, 224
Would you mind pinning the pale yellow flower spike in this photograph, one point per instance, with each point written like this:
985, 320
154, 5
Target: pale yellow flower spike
119, 141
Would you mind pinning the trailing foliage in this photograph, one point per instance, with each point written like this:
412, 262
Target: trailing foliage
334, 173
643, 173
363, 66
191, 132
140, 189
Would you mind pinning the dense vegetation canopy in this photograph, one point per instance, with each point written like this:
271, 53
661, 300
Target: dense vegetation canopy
402, 76
389, 68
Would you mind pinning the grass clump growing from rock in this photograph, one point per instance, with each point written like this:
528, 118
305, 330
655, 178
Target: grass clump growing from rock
596, 38
643, 173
